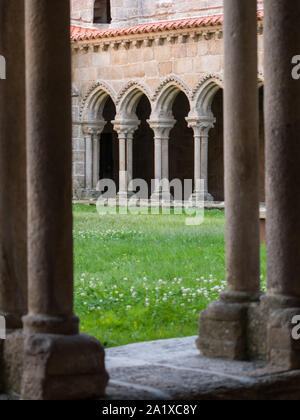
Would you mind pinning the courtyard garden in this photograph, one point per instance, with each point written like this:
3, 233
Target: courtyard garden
146, 277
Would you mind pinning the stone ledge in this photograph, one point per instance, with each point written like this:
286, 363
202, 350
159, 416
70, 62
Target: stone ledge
209, 205
174, 370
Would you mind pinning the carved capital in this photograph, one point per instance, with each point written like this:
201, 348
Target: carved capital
201, 125
126, 128
93, 128
162, 128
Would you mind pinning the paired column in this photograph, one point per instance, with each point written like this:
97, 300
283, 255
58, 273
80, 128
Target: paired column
282, 128
241, 187
162, 131
59, 363
92, 134
13, 200
125, 130
201, 127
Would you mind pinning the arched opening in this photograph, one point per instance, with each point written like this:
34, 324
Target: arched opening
102, 11
109, 152
181, 145
216, 150
143, 153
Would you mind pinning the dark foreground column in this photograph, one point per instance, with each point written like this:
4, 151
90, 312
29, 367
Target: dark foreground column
13, 214
59, 363
223, 327
282, 128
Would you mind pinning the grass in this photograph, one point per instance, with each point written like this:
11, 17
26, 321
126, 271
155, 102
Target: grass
146, 277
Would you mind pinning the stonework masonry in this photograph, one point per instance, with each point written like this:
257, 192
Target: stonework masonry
155, 63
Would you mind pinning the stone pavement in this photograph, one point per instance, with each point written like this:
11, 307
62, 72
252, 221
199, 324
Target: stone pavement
174, 369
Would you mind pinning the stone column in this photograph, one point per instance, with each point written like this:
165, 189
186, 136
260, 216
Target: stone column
59, 363
13, 215
96, 159
282, 128
201, 127
130, 161
162, 131
88, 136
123, 191
223, 326
125, 130
13, 199
92, 134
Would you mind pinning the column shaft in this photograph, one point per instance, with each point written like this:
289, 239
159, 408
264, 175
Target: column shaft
122, 165
96, 159
13, 200
241, 146
282, 122
197, 157
129, 158
58, 362
165, 166
158, 163
89, 161
204, 160
49, 157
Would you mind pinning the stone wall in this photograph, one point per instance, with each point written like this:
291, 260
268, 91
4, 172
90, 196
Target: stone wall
184, 59
132, 12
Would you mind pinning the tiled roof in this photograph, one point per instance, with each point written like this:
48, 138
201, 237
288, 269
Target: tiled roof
84, 34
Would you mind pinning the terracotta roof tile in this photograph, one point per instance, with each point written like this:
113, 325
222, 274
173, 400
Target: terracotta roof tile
84, 34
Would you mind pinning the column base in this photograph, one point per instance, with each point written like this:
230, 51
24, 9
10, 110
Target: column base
11, 362
123, 195
283, 350
198, 197
60, 367
160, 196
208, 197
223, 327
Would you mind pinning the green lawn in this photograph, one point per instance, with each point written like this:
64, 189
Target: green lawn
145, 277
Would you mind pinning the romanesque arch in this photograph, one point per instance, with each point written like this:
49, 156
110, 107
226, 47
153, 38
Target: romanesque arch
204, 93
168, 119
94, 101
97, 113
166, 93
134, 107
128, 99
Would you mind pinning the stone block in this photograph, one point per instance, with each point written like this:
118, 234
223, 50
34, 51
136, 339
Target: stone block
222, 331
59, 367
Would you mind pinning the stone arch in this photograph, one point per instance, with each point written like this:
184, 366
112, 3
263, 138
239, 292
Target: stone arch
94, 101
128, 99
204, 93
166, 94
